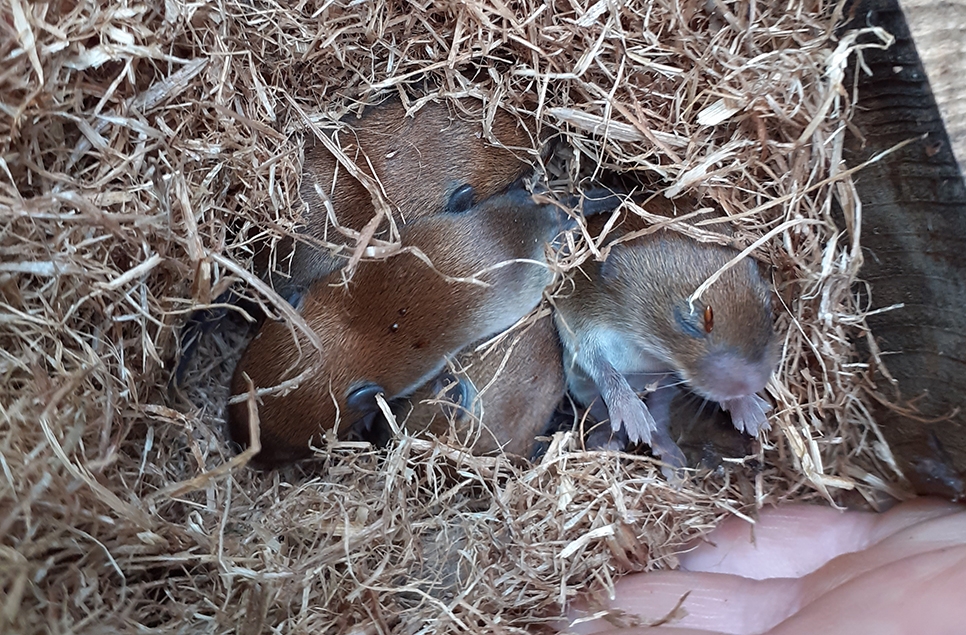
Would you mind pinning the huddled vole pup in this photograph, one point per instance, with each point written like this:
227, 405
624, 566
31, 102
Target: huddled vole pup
498, 402
421, 161
398, 321
630, 315
425, 163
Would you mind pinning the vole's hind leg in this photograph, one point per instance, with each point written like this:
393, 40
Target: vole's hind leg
662, 445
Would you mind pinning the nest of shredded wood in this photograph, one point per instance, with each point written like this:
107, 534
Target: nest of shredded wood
143, 150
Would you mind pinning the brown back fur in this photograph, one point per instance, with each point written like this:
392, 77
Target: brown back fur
517, 402
420, 161
398, 320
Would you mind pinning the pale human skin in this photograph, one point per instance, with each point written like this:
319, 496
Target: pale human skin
810, 570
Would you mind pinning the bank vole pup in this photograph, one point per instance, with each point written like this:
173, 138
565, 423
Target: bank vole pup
393, 327
700, 428
500, 401
628, 322
421, 161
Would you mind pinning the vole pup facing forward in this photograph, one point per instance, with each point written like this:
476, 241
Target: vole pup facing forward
420, 161
630, 316
393, 328
498, 402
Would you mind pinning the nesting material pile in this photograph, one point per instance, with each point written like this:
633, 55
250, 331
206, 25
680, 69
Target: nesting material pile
145, 147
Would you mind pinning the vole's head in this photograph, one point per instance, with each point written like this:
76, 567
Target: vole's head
723, 343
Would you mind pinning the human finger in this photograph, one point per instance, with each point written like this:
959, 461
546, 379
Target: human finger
733, 603
793, 540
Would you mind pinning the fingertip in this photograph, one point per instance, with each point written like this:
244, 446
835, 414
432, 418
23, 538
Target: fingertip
913, 512
706, 602
785, 542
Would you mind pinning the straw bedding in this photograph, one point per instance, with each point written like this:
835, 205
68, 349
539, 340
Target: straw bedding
145, 148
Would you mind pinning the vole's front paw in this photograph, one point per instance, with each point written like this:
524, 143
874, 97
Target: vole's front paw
629, 412
748, 413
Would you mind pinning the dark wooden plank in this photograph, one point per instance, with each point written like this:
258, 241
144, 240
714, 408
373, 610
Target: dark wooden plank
914, 242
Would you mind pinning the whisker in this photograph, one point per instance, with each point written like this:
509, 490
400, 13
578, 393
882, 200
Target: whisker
699, 413
679, 382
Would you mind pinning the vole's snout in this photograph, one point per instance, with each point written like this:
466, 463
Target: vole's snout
724, 375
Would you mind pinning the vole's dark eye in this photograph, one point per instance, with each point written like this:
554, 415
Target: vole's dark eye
708, 319
461, 200
694, 324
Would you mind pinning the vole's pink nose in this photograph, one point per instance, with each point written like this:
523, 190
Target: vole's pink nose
724, 375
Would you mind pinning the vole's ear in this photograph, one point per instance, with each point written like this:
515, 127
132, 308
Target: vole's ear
363, 397
461, 200
458, 392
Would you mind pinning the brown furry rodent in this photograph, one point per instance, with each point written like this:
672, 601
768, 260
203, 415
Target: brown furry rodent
629, 318
394, 327
420, 161
493, 408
